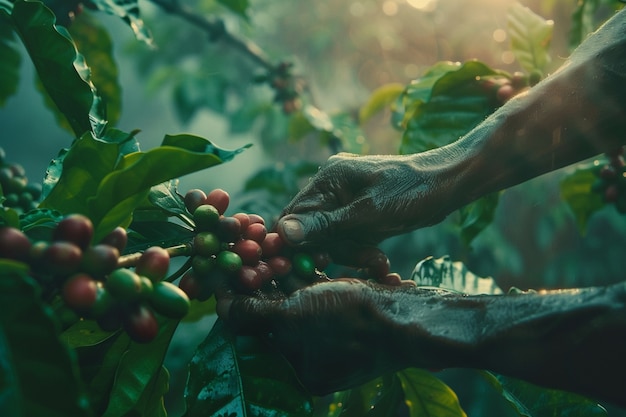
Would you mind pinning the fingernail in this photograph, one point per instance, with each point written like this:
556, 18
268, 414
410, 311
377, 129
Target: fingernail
293, 230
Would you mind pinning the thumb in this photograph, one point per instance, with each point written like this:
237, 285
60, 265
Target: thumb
297, 229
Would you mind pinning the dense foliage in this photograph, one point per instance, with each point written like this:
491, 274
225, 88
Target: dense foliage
90, 299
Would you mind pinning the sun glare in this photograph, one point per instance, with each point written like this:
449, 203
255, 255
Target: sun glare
423, 5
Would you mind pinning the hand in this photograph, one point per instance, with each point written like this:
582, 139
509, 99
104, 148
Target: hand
336, 334
366, 199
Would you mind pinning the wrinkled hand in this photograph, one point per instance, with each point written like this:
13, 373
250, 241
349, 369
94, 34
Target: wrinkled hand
336, 334
365, 199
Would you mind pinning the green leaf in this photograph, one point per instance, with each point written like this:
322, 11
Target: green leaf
533, 401
239, 376
380, 397
85, 333
426, 395
530, 36
380, 98
583, 22
44, 377
281, 178
143, 234
127, 10
576, 191
10, 60
443, 273
239, 7
9, 217
166, 197
199, 310
61, 69
94, 42
349, 133
93, 182
138, 372
476, 216
445, 104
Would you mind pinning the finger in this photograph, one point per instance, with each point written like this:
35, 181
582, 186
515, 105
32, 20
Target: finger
251, 314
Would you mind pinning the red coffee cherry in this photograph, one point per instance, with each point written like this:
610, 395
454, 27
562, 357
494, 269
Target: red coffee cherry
249, 251
74, 228
116, 238
272, 245
249, 279
256, 232
229, 229
141, 324
281, 265
153, 263
14, 244
61, 258
99, 260
265, 271
244, 220
80, 292
193, 199
219, 199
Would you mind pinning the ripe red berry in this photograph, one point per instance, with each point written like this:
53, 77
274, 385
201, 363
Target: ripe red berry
219, 199
256, 232
193, 199
80, 292
249, 279
281, 265
141, 324
116, 238
321, 259
61, 258
505, 93
272, 245
249, 251
153, 263
265, 271
244, 220
195, 287
14, 244
255, 218
74, 228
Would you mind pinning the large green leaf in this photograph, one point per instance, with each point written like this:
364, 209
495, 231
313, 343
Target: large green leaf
426, 395
476, 216
139, 384
61, 69
43, 374
94, 42
96, 182
238, 376
127, 10
444, 104
530, 36
532, 401
379, 99
143, 234
10, 60
576, 191
444, 273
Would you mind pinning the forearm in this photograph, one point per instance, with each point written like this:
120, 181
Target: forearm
576, 113
571, 340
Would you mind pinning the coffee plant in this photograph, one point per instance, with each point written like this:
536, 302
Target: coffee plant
90, 295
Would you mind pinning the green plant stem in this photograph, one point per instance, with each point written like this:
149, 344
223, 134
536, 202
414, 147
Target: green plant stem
174, 251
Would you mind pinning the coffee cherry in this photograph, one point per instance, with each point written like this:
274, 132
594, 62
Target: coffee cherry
116, 238
103, 304
206, 218
141, 324
272, 245
244, 220
248, 250
99, 260
392, 279
505, 93
256, 232
153, 263
321, 259
147, 287
255, 218
303, 265
80, 292
203, 265
265, 271
74, 228
195, 287
14, 244
249, 279
169, 300
219, 199
379, 268
281, 265
124, 284
61, 258
193, 199
228, 229
206, 244
229, 261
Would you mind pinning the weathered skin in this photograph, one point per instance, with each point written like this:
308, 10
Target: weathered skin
576, 113
344, 332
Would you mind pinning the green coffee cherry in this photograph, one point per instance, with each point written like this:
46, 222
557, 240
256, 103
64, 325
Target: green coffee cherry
169, 300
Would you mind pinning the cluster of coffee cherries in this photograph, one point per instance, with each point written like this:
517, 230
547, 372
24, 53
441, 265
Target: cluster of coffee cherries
240, 248
611, 182
19, 194
87, 279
